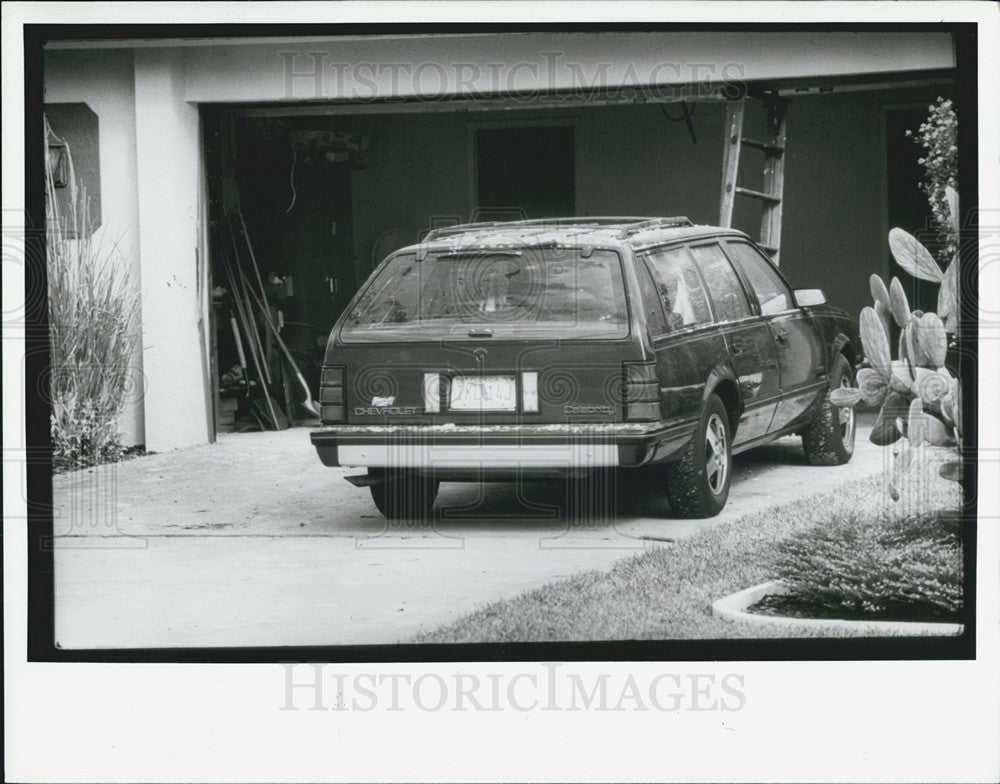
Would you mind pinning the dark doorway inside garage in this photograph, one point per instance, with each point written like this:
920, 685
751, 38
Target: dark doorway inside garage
295, 189
525, 172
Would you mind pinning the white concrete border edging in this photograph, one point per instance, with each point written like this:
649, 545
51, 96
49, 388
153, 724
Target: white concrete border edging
733, 608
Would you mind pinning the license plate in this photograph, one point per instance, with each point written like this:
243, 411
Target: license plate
483, 393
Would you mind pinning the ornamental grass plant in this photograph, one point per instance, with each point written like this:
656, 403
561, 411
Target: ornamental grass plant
92, 328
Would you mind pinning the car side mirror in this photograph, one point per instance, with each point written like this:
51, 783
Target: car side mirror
806, 297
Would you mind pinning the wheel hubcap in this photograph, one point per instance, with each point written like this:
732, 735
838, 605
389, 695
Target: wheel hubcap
716, 455
846, 416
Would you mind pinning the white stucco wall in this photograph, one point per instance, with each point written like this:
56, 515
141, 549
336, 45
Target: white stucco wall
168, 156
149, 148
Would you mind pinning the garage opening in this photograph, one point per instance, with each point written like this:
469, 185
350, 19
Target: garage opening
311, 198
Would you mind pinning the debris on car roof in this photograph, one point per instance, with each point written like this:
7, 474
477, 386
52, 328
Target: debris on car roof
623, 224
561, 232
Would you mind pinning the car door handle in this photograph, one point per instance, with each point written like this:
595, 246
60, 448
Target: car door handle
782, 337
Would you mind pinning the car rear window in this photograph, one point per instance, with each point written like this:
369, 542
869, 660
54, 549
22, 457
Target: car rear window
553, 292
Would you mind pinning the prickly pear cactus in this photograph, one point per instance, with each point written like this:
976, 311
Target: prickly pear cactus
920, 399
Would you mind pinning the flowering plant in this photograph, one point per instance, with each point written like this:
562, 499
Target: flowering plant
938, 135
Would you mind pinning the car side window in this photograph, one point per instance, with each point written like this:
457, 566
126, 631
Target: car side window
724, 285
772, 292
680, 288
651, 305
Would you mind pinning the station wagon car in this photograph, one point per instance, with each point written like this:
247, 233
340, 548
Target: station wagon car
532, 349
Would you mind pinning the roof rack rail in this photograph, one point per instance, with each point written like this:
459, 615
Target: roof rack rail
458, 228
654, 223
629, 224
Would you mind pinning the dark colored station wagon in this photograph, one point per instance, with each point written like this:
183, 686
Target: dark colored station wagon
533, 349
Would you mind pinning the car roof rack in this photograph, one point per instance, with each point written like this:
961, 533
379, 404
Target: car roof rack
654, 223
629, 225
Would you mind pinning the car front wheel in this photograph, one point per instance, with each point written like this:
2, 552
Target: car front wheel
698, 484
829, 439
404, 495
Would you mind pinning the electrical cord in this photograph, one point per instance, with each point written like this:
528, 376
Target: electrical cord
291, 180
686, 116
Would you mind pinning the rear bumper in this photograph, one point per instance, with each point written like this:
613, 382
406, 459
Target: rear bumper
458, 449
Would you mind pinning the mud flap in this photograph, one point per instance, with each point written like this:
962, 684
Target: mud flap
365, 480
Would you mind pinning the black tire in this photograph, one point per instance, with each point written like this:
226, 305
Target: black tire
404, 495
829, 439
692, 489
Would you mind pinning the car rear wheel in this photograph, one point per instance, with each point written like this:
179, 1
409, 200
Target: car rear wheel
698, 484
404, 495
829, 439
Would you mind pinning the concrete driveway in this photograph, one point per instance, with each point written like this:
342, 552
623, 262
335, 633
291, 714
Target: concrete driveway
252, 542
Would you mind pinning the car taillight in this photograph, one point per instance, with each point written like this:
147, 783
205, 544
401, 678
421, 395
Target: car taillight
529, 391
432, 393
642, 392
331, 395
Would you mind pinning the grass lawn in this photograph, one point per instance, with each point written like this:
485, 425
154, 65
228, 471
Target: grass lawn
667, 593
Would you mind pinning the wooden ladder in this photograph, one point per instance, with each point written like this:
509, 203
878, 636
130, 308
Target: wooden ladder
773, 147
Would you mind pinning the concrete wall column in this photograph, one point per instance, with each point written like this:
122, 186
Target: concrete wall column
168, 167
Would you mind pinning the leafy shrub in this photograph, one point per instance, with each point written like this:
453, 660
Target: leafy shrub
865, 567
92, 317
